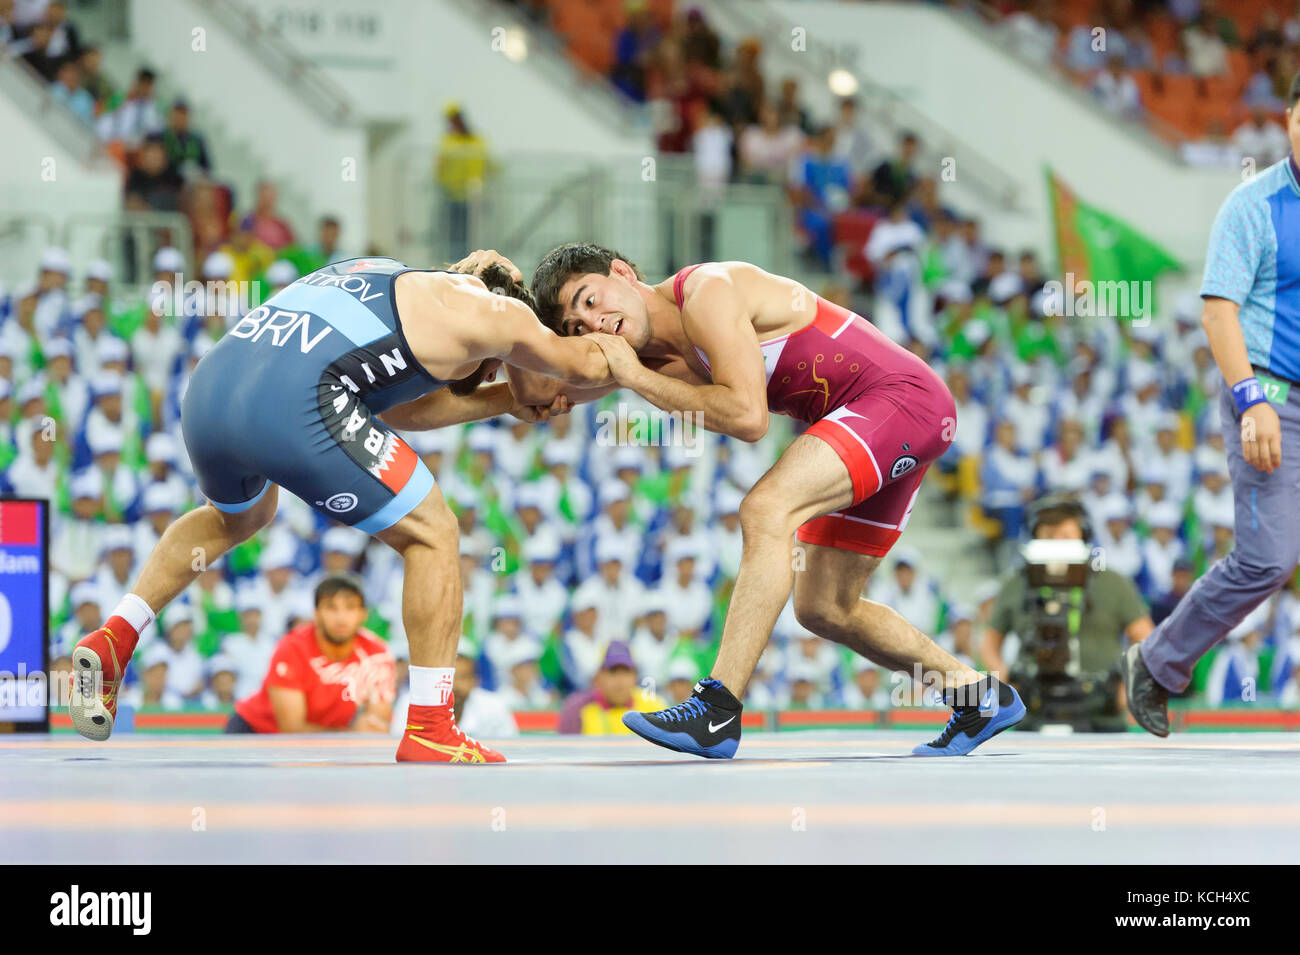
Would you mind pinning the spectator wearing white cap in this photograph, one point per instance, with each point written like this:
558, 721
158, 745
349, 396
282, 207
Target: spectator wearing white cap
688, 601
99, 277
31, 402
117, 561
811, 669
1177, 462
683, 526
507, 631
1154, 478
159, 505
958, 637
107, 414
1119, 455
90, 330
654, 645
279, 275
1141, 402
156, 346
615, 587
1121, 548
52, 301
1162, 549
467, 502
614, 524
542, 597
84, 599
482, 440
867, 688
679, 681
341, 547
1008, 480
35, 471
15, 337
1026, 407
20, 330
745, 463
520, 683
630, 464
574, 497
222, 305
121, 487
1067, 464
479, 584
1213, 489
726, 542
438, 449
1100, 494
1235, 670
1082, 399
911, 591
221, 672
381, 565
486, 714
526, 509
71, 391
971, 436
76, 546
169, 289
275, 587
163, 458
252, 646
583, 647
1220, 526
152, 691
213, 600
517, 449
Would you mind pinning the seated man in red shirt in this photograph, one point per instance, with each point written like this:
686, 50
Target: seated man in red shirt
329, 674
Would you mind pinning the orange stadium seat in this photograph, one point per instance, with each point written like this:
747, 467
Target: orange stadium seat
1080, 11
1162, 31
662, 11
852, 229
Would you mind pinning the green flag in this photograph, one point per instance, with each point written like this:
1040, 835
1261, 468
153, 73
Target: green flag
1096, 248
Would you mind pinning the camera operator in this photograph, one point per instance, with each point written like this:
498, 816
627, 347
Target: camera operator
1070, 626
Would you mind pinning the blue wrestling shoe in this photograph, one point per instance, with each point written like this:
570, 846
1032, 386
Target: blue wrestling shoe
706, 724
999, 708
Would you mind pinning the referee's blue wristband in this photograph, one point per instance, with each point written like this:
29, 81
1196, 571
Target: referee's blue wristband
1247, 392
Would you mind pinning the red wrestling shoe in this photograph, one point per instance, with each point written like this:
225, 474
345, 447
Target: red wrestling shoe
98, 662
432, 737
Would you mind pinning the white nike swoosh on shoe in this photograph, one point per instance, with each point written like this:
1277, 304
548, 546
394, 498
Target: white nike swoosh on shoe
714, 729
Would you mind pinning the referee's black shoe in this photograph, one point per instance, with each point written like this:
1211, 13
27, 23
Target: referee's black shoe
1148, 701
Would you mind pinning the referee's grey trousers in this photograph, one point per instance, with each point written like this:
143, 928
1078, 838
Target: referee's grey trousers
1265, 551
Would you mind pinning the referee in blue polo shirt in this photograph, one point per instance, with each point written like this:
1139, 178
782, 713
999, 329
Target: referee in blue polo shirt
1252, 318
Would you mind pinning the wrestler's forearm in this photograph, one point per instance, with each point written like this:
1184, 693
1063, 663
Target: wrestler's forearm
724, 410
441, 409
534, 388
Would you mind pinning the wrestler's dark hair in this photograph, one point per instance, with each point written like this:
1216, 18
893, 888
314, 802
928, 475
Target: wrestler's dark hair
562, 264
339, 584
1293, 94
500, 282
